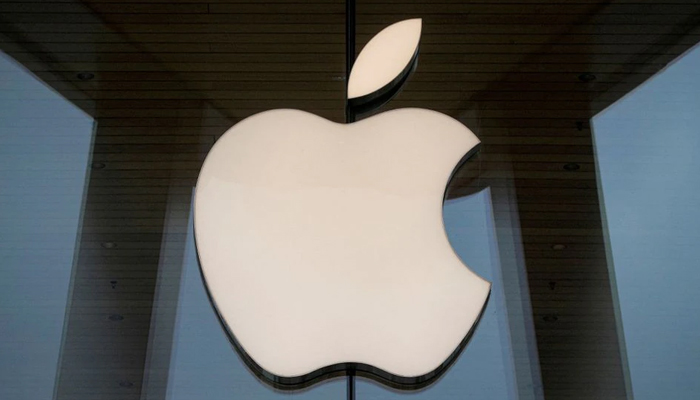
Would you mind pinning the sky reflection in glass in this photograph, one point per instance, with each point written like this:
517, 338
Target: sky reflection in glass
647, 157
45, 144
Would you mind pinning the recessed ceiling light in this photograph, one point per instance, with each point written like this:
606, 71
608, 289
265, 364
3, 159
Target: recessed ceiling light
97, 165
572, 167
85, 76
558, 246
587, 77
126, 384
116, 317
108, 245
550, 318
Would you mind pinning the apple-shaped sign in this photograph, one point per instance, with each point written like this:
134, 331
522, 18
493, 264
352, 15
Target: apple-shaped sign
322, 245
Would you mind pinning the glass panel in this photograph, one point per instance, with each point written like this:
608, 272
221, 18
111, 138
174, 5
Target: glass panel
122, 315
45, 145
646, 149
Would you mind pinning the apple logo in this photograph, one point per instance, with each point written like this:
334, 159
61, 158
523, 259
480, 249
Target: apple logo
322, 245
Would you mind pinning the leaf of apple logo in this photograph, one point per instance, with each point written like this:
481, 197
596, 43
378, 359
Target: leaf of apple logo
322, 245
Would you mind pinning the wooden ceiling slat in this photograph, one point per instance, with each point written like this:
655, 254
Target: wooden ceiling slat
455, 63
235, 28
474, 71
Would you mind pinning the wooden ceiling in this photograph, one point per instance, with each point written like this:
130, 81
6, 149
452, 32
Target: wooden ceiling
173, 75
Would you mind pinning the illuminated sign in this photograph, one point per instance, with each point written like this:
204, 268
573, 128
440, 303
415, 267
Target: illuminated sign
322, 245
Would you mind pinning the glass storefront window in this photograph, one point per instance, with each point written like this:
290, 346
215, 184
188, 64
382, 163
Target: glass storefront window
579, 207
45, 150
646, 146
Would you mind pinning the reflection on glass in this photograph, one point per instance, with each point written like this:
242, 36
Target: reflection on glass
45, 144
647, 155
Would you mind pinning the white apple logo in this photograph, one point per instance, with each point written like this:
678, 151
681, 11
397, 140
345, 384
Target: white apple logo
322, 245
